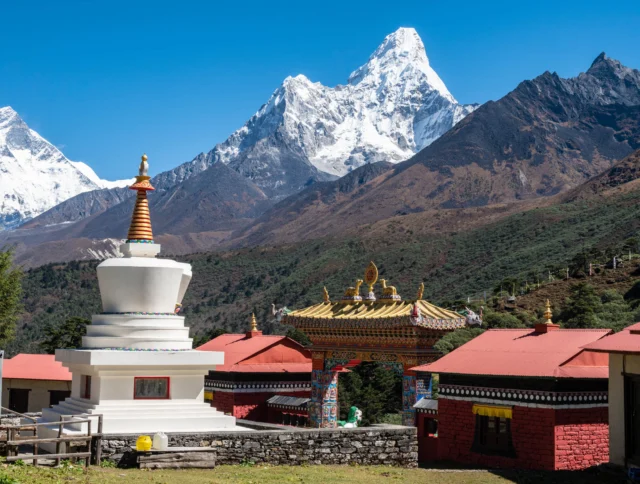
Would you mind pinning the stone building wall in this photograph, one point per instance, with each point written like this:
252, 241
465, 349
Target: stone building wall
249, 405
582, 437
543, 438
531, 430
389, 445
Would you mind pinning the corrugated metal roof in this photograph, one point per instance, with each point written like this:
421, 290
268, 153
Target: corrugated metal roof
259, 354
427, 403
35, 367
524, 352
626, 341
288, 401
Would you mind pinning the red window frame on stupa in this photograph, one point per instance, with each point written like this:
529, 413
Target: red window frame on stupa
167, 395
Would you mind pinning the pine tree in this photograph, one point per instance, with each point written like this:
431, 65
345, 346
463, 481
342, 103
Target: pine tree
580, 310
68, 335
455, 339
10, 295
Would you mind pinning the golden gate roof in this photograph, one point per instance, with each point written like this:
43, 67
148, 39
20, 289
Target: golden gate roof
384, 310
376, 313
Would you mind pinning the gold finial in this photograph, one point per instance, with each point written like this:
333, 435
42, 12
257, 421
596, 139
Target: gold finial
325, 295
254, 323
547, 313
144, 167
420, 291
371, 276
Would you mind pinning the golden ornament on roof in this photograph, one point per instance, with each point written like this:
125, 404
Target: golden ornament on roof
547, 313
325, 295
353, 291
371, 275
420, 291
254, 322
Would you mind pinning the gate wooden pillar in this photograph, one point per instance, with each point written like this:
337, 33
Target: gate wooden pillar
323, 407
408, 395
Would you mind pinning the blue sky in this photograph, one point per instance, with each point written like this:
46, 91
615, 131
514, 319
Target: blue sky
105, 81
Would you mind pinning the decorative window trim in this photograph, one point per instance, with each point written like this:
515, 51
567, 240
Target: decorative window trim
256, 387
166, 378
492, 411
526, 398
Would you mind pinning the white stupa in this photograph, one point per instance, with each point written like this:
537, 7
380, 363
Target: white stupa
137, 367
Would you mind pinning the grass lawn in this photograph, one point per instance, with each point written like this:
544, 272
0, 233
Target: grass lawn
298, 474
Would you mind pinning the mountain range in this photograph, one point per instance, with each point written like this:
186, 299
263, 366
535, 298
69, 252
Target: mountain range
34, 175
315, 162
391, 107
545, 137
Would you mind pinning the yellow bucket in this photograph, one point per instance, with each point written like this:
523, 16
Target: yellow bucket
143, 443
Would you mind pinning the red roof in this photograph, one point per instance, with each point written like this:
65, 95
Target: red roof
35, 367
526, 353
626, 341
260, 354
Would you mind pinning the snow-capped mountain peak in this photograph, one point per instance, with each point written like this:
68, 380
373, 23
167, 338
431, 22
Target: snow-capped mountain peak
87, 171
34, 174
401, 53
392, 106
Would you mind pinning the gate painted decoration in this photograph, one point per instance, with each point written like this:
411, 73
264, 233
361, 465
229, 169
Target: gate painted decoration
375, 327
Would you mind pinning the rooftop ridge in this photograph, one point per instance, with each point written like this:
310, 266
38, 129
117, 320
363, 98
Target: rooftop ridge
579, 330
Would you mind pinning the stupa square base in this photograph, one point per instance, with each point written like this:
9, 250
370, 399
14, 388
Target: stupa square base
141, 417
140, 391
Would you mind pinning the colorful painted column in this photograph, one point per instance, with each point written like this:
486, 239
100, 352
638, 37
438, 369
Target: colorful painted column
408, 396
323, 407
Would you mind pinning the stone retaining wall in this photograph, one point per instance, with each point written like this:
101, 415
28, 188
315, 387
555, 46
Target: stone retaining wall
277, 445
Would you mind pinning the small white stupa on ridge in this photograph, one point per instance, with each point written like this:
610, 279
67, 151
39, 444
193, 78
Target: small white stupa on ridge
137, 367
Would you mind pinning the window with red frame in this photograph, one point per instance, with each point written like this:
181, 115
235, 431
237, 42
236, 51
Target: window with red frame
85, 386
151, 387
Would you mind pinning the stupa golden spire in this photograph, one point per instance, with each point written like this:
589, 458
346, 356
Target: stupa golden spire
254, 323
140, 228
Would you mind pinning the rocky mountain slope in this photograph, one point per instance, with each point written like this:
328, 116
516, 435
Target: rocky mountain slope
34, 175
215, 199
619, 176
194, 215
547, 136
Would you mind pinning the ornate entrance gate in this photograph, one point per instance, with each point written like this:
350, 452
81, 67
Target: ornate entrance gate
382, 328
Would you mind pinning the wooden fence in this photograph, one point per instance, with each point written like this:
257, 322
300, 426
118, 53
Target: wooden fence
16, 438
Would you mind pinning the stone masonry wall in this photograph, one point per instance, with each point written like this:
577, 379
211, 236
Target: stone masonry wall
531, 430
250, 406
389, 445
582, 437
223, 402
543, 438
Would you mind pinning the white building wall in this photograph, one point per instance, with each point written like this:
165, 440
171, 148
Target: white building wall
618, 365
